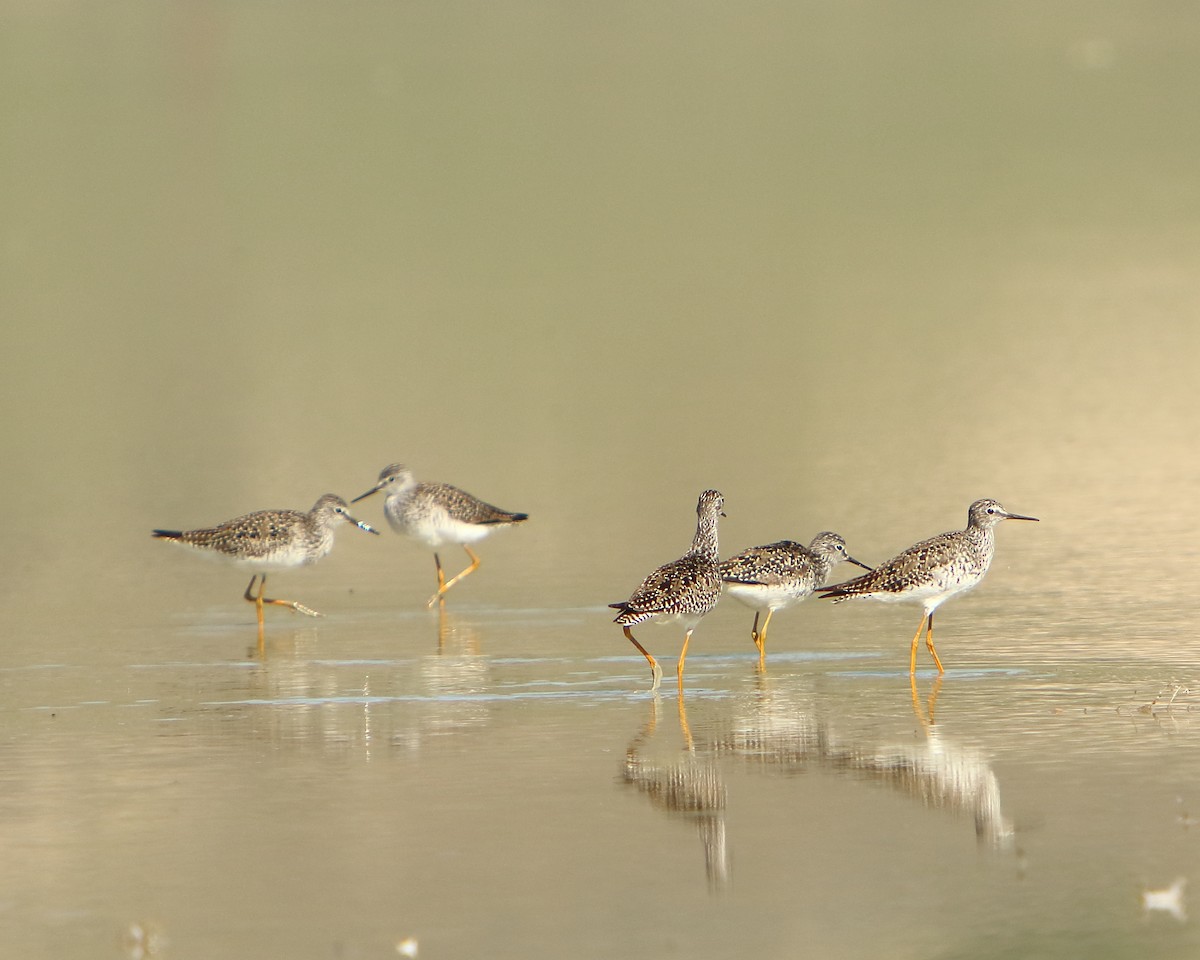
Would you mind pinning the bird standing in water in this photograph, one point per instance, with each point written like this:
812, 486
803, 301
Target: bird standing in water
778, 575
683, 590
933, 571
271, 540
437, 513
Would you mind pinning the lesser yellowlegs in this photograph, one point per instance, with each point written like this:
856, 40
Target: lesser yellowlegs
933, 571
437, 513
778, 575
271, 540
683, 590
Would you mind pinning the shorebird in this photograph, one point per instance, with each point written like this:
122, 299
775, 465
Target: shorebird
778, 575
271, 540
683, 590
437, 513
933, 571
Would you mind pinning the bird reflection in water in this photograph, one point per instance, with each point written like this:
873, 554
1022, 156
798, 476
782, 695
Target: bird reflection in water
936, 772
925, 711
455, 635
455, 675
776, 731
690, 787
289, 643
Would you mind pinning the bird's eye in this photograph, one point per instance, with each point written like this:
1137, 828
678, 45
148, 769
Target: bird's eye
991, 509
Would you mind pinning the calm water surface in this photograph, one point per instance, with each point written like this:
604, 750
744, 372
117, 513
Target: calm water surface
854, 267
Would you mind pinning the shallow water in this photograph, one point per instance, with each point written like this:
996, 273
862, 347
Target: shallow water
853, 269
486, 795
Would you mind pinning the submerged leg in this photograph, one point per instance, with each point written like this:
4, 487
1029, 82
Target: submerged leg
655, 669
929, 644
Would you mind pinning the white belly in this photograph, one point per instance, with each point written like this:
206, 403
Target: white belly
760, 596
437, 528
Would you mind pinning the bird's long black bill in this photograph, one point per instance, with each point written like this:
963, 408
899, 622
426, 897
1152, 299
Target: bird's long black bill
363, 496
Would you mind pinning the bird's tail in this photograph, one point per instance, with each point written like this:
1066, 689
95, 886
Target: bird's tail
836, 594
501, 517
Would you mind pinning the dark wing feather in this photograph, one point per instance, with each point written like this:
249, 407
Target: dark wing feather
680, 578
466, 508
771, 563
892, 576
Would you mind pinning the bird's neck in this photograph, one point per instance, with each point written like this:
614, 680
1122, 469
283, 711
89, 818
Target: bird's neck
983, 537
403, 490
320, 525
977, 531
704, 544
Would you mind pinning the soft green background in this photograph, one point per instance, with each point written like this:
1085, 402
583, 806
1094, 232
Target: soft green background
854, 264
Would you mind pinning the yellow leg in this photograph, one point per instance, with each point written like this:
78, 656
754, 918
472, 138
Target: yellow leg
655, 669
912, 660
687, 638
760, 638
444, 584
474, 565
440, 596
929, 644
259, 600
258, 603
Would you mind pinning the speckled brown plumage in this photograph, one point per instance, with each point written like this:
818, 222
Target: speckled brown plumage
934, 570
437, 513
777, 575
685, 589
270, 540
